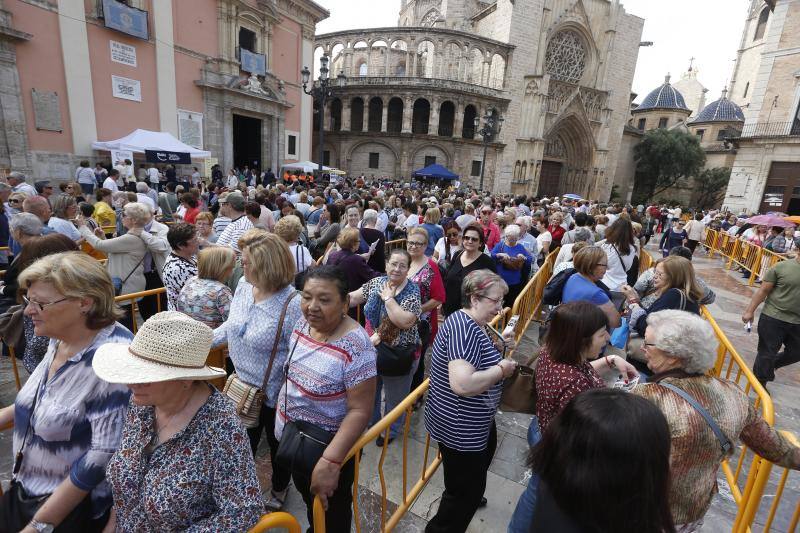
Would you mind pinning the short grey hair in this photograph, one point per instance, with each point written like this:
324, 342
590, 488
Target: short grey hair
523, 221
370, 216
26, 223
686, 336
512, 230
139, 212
142, 187
582, 235
16, 176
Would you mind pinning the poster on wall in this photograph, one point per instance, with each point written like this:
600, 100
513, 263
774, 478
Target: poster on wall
190, 128
123, 53
253, 63
120, 155
126, 88
125, 19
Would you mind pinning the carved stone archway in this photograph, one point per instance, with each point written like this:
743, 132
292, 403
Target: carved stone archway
568, 159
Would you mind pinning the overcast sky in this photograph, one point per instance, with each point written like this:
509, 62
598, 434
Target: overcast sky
708, 30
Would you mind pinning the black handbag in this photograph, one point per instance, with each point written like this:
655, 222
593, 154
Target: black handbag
424, 330
395, 360
302, 443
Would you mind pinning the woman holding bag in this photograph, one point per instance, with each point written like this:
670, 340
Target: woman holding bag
257, 331
328, 391
392, 307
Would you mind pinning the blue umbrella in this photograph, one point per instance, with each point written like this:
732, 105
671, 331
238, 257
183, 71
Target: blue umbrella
573, 196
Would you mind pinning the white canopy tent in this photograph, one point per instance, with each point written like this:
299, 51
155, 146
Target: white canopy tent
305, 166
141, 140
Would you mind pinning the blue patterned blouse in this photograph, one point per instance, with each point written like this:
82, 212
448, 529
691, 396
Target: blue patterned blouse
76, 424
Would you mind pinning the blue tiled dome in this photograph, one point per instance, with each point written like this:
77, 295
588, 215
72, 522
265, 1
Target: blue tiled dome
665, 97
722, 110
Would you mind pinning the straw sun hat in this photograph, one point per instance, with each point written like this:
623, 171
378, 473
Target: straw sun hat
168, 346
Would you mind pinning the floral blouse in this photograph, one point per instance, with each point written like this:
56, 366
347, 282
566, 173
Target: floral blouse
557, 383
202, 479
375, 308
206, 300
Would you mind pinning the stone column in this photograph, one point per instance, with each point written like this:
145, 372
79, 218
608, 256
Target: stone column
433, 122
408, 63
385, 114
345, 113
408, 113
414, 57
386, 63
369, 62
458, 118
227, 140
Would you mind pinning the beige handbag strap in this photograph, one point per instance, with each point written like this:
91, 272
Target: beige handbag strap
277, 340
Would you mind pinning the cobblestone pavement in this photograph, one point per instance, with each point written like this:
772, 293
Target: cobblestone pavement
507, 474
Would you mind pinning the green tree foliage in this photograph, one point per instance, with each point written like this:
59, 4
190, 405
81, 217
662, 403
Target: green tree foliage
663, 157
710, 186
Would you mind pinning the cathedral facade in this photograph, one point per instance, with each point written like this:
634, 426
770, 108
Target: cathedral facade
558, 72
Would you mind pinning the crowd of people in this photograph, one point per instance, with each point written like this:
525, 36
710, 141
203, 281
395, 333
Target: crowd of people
327, 331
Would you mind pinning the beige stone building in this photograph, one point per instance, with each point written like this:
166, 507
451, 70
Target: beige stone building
558, 72
766, 83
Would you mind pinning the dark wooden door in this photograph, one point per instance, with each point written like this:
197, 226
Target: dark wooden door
782, 185
549, 179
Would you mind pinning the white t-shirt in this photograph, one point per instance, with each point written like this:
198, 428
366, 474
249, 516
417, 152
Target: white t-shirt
110, 184
152, 175
411, 222
543, 238
302, 257
618, 264
441, 249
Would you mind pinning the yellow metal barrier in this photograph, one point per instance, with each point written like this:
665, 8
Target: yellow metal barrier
779, 492
274, 520
397, 243
528, 305
754, 259
131, 299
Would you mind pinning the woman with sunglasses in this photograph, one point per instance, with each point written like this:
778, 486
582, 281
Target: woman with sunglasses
469, 259
449, 245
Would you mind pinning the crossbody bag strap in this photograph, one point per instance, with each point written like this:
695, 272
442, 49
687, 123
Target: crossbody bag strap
134, 268
277, 340
724, 441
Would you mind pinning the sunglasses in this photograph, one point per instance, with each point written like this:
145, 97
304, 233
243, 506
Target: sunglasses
470, 239
451, 235
13, 201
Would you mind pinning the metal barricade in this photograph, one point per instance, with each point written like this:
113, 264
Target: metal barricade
528, 305
275, 520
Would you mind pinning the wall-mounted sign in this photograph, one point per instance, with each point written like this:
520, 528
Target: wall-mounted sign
126, 88
120, 155
46, 110
163, 156
123, 53
190, 128
253, 63
126, 19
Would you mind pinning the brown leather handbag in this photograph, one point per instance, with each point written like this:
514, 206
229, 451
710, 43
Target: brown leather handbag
519, 390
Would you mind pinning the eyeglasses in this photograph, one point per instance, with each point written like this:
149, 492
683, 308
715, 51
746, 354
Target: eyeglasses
13, 201
451, 235
398, 266
495, 301
467, 238
648, 345
40, 306
412, 244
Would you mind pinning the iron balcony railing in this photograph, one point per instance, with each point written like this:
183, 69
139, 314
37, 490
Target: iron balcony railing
771, 129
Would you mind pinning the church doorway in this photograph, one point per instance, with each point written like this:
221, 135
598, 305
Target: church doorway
550, 179
246, 141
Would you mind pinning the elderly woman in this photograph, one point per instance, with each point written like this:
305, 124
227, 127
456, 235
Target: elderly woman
569, 363
355, 267
645, 285
676, 287
289, 229
206, 297
392, 308
512, 259
184, 462
65, 209
336, 404
467, 370
680, 348
204, 223
425, 273
556, 229
257, 347
15, 200
24, 228
469, 260
67, 421
591, 263
181, 265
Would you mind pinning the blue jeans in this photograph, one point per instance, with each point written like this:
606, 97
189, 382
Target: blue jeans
523, 513
396, 389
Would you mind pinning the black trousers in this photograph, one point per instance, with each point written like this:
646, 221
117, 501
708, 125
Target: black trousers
772, 334
148, 306
690, 244
280, 474
339, 516
464, 484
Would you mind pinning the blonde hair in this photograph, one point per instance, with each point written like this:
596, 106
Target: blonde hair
289, 228
433, 215
417, 230
348, 239
77, 275
680, 275
272, 263
139, 212
215, 263
587, 258
204, 215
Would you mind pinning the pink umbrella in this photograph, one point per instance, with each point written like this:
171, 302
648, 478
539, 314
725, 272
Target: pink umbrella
769, 220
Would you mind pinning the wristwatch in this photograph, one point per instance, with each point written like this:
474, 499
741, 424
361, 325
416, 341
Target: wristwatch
41, 527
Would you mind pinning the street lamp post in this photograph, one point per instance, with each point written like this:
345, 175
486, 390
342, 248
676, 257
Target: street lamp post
492, 124
320, 91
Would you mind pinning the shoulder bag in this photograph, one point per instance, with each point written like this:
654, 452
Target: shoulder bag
11, 325
631, 272
247, 398
302, 443
519, 390
723, 439
119, 282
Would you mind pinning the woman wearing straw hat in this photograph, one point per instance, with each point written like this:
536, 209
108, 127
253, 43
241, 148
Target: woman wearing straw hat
185, 460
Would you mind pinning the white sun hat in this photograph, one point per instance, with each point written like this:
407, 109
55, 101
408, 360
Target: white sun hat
169, 346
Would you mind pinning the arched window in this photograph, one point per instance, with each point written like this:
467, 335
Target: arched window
421, 116
394, 117
362, 69
447, 115
565, 58
336, 115
375, 120
357, 114
761, 26
468, 127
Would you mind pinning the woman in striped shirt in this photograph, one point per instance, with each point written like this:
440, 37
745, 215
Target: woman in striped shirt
467, 369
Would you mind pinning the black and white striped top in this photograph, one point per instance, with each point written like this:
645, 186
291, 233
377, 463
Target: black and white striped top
458, 422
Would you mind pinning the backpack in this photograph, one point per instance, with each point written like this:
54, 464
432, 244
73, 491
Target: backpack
554, 289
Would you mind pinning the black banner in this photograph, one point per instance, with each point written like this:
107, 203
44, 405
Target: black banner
162, 156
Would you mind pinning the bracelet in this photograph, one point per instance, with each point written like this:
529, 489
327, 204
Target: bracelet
337, 463
633, 301
608, 363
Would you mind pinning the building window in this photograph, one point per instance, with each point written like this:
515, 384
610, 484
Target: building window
476, 168
247, 39
642, 122
565, 58
430, 160
662, 122
326, 158
291, 145
721, 135
746, 88
362, 69
700, 134
374, 160
761, 26
796, 191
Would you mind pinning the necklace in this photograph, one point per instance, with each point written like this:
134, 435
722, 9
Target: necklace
157, 431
